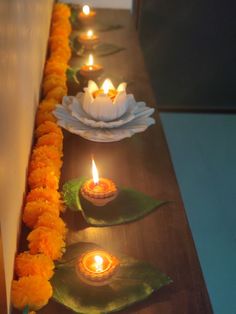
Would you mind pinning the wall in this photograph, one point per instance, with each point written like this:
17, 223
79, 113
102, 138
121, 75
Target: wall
121, 4
24, 27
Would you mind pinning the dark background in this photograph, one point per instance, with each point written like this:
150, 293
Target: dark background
190, 51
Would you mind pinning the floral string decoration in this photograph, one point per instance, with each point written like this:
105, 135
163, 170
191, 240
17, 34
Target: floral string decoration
35, 267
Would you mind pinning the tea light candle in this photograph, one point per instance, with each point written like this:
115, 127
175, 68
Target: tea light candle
105, 103
87, 16
91, 70
96, 267
88, 39
99, 191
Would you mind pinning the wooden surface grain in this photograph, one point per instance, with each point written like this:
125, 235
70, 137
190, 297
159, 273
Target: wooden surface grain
163, 238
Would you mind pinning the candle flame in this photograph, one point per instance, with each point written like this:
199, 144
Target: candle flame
98, 262
86, 9
90, 60
107, 84
90, 33
95, 172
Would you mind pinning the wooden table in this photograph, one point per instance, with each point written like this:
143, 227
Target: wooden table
163, 238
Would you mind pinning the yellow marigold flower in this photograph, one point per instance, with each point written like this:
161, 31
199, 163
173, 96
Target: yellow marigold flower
52, 82
52, 138
27, 264
43, 177
46, 151
47, 105
48, 220
33, 291
43, 116
55, 67
47, 241
57, 92
34, 209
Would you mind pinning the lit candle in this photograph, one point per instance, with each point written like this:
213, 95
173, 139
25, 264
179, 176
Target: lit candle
87, 16
99, 191
91, 70
86, 10
89, 40
96, 267
105, 103
107, 88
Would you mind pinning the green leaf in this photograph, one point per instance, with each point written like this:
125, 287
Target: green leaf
102, 26
26, 310
129, 205
70, 193
106, 49
71, 74
134, 281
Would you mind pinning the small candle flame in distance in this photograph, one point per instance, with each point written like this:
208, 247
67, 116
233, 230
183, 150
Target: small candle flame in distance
98, 262
95, 173
90, 33
90, 60
106, 86
86, 9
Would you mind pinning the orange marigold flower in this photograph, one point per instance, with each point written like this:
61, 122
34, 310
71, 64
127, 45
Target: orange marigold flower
61, 54
55, 75
44, 194
47, 241
61, 10
34, 209
43, 116
47, 105
57, 92
48, 220
43, 177
46, 151
27, 264
52, 138
52, 82
55, 67
46, 162
33, 291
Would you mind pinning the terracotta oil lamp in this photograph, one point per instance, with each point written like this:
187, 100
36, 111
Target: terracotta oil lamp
99, 191
86, 16
96, 267
89, 40
91, 70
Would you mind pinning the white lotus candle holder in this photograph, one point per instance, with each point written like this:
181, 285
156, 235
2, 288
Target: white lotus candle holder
106, 103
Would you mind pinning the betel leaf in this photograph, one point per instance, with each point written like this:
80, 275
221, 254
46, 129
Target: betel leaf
129, 205
70, 192
71, 74
107, 49
133, 282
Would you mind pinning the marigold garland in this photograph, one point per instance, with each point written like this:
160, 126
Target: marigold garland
47, 241
32, 291
49, 220
43, 202
33, 210
27, 264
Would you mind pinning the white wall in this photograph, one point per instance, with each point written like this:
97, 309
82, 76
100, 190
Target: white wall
115, 4
24, 27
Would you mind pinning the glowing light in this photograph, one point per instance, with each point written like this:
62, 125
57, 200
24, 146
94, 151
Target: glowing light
98, 263
86, 9
106, 86
90, 33
95, 172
